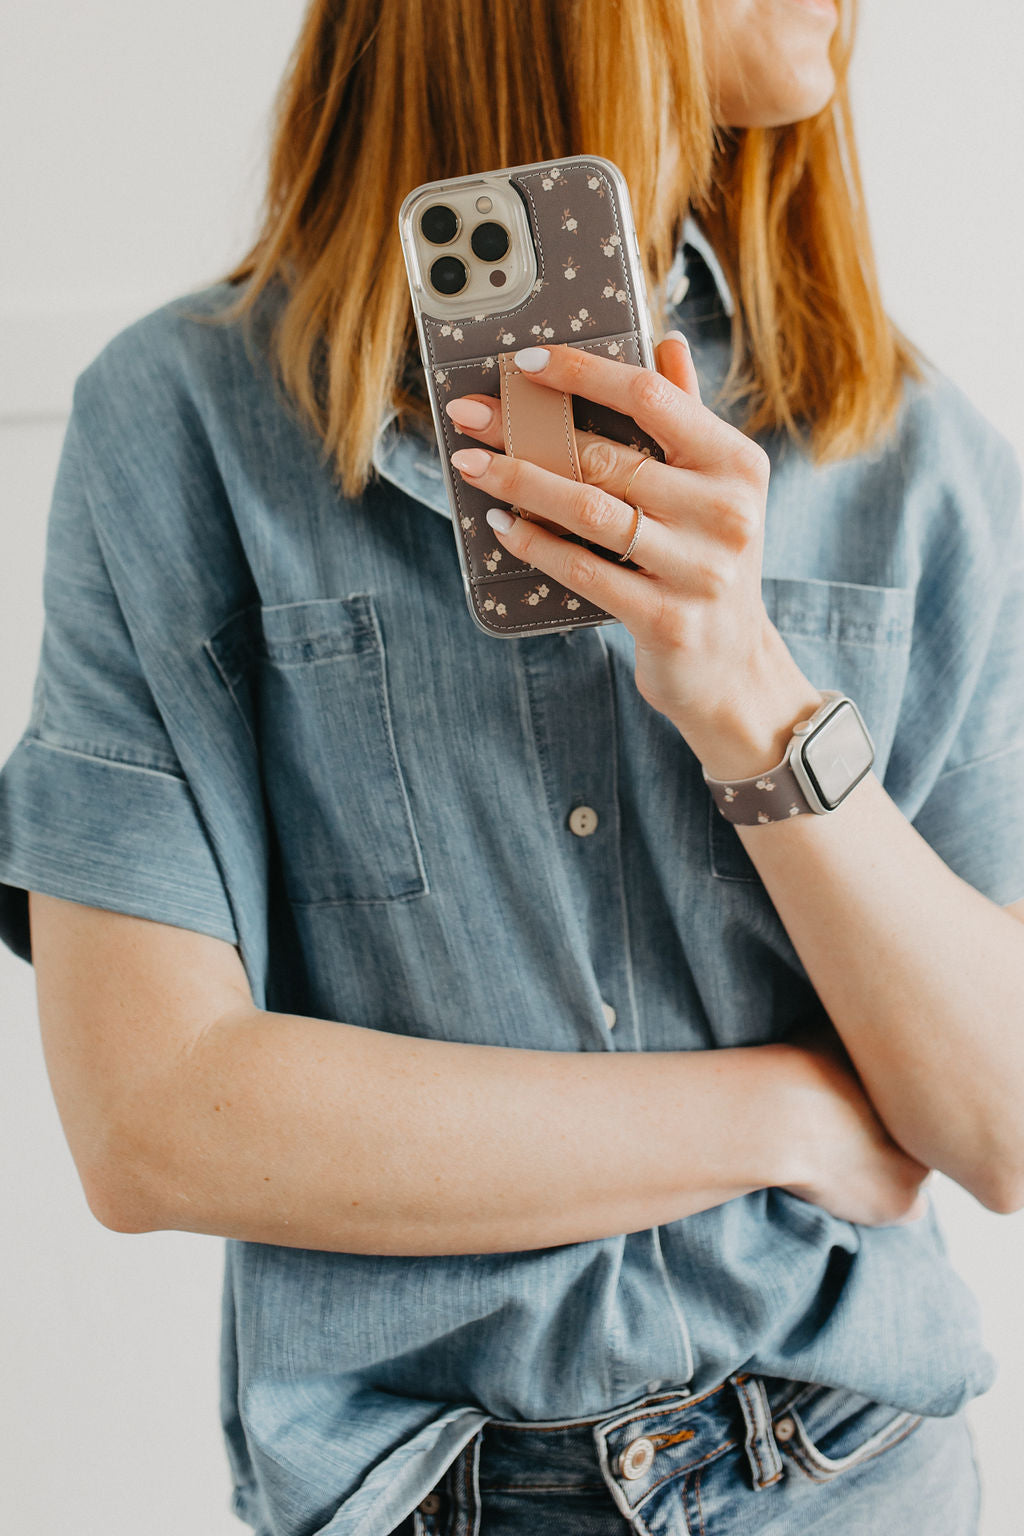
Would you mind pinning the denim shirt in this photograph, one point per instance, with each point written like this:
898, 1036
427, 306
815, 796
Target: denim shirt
264, 712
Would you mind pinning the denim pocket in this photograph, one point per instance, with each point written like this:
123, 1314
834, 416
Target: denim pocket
310, 679
828, 1430
841, 635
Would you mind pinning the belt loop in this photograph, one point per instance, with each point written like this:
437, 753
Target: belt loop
762, 1451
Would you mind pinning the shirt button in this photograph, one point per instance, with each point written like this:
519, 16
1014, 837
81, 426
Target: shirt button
609, 1014
583, 820
636, 1458
785, 1429
431, 1504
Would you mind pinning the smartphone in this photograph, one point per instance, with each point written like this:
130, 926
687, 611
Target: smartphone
523, 256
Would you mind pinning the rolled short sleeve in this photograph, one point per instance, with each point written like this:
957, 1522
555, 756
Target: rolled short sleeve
94, 805
973, 814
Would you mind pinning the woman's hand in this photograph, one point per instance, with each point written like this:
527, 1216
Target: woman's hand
854, 1168
707, 653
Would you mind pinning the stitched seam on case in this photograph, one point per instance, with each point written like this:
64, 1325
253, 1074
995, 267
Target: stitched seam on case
567, 424
612, 201
591, 345
510, 373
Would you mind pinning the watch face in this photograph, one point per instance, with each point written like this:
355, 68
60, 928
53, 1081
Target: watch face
837, 755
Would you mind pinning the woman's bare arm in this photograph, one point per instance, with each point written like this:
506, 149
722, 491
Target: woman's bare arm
185, 1107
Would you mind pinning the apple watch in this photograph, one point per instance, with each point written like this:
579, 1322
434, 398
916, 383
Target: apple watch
827, 756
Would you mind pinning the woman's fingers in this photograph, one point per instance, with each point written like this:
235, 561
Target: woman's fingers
674, 360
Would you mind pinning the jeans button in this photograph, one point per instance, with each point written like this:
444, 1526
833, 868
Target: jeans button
430, 1505
637, 1457
785, 1429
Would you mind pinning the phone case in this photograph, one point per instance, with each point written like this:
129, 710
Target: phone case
589, 293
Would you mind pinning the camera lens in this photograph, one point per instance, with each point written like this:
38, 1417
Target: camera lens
439, 224
448, 274
490, 241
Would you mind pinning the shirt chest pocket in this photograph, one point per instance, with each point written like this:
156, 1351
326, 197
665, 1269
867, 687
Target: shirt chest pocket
841, 635
310, 679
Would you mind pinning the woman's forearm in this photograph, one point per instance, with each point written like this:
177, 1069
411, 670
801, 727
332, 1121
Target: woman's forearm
301, 1132
921, 974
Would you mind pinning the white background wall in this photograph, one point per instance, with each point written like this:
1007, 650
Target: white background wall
133, 138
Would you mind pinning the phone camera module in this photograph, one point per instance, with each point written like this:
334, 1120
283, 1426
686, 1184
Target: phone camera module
449, 275
490, 241
439, 224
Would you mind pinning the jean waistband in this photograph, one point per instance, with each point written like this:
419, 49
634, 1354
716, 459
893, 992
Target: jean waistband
631, 1449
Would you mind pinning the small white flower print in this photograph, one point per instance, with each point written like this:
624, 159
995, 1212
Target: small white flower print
487, 364
542, 330
730, 794
466, 523
570, 602
584, 314
596, 185
531, 598
614, 348
794, 810
490, 604
763, 816
543, 590
507, 339
608, 291
548, 181
538, 285
620, 294
454, 331
765, 782
568, 222
611, 244
493, 558
440, 376
479, 317
569, 269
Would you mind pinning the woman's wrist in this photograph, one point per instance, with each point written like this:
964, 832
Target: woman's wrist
759, 1096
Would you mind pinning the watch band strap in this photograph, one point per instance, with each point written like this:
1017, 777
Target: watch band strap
537, 424
773, 795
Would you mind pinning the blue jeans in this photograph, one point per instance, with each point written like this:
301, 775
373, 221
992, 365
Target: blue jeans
754, 1454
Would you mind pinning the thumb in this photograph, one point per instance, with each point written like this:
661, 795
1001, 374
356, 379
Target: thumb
676, 362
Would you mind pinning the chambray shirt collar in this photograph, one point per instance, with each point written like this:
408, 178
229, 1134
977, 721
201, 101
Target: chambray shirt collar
410, 459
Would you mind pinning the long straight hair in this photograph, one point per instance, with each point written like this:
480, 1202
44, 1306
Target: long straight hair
382, 95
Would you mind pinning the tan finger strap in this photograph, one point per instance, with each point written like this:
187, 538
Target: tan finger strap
537, 425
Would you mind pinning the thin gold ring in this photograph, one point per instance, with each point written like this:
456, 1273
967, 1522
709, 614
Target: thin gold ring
629, 482
637, 509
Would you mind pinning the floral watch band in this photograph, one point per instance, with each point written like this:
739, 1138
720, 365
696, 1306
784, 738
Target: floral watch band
776, 794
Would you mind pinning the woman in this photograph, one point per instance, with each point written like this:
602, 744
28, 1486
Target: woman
567, 1139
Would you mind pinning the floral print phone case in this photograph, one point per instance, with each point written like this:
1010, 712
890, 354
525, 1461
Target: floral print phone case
589, 292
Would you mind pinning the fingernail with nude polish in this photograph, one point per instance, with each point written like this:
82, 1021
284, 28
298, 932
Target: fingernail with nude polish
469, 413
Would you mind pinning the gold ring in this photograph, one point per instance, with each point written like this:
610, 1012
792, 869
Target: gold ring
636, 533
629, 482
